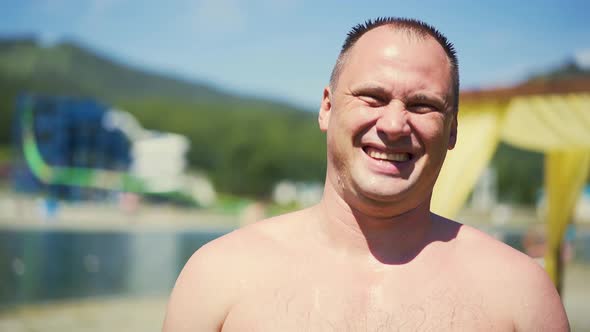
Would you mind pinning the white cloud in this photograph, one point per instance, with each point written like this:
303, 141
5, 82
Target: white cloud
220, 18
48, 38
95, 12
582, 58
216, 17
99, 7
50, 7
280, 6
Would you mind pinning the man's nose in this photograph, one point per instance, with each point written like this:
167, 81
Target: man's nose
393, 121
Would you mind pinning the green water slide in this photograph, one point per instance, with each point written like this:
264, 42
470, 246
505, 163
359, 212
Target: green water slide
80, 176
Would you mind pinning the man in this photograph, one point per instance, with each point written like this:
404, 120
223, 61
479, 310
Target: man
371, 256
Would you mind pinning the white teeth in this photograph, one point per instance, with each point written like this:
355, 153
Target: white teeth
388, 156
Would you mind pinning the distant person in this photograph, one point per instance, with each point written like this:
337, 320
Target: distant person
371, 256
534, 243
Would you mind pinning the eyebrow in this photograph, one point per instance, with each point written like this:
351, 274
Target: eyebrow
370, 87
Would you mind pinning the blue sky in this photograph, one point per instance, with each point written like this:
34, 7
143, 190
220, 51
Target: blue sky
285, 49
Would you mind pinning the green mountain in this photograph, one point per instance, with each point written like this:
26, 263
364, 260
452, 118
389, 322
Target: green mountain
245, 144
568, 70
72, 69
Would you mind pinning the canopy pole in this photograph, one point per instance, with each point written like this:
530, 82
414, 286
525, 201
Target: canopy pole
565, 175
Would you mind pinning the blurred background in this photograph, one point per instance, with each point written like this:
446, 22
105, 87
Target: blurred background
132, 132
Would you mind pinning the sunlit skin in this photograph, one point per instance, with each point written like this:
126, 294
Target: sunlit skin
396, 101
370, 256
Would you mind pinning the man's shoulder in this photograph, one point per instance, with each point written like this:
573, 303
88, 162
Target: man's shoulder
514, 280
258, 241
488, 252
219, 272
248, 254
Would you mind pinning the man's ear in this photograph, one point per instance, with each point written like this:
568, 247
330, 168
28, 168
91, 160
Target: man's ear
325, 109
453, 135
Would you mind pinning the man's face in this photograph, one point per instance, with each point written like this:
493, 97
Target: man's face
389, 119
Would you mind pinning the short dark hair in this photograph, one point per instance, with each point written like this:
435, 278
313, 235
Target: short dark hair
404, 24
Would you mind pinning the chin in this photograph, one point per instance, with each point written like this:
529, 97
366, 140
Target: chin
382, 193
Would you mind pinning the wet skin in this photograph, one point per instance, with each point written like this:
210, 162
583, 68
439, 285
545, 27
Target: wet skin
370, 256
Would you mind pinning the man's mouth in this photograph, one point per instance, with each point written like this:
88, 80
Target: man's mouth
387, 156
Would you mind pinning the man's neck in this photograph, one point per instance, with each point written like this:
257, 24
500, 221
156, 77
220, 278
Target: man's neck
390, 239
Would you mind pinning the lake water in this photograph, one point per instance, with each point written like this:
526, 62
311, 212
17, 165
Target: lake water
45, 265
50, 265
120, 280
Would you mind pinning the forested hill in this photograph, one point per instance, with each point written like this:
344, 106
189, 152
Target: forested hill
567, 71
244, 144
72, 69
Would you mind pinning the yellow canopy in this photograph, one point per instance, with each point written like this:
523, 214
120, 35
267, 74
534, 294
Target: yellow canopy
556, 125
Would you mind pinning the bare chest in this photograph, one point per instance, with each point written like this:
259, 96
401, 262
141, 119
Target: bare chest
342, 305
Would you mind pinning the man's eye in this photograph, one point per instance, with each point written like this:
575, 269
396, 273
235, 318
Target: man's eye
373, 100
421, 108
